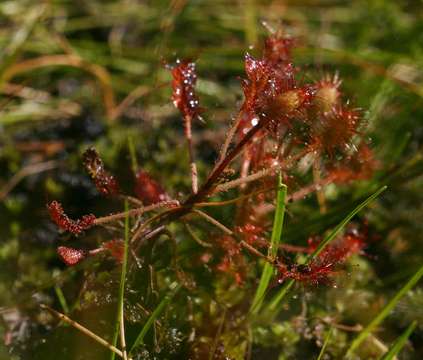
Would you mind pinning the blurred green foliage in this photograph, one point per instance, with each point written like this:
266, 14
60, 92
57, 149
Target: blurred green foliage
65, 66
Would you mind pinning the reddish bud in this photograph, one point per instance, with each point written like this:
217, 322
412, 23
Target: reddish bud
148, 190
105, 183
58, 215
183, 84
71, 256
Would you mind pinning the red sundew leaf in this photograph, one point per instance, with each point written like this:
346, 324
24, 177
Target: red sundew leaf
252, 234
313, 243
225, 264
264, 81
116, 248
233, 267
358, 166
271, 92
229, 245
311, 274
75, 227
256, 70
148, 190
105, 183
334, 130
289, 106
258, 74
71, 256
321, 268
183, 84
232, 262
352, 242
268, 85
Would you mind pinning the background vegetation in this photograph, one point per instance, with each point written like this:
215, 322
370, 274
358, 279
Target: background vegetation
80, 73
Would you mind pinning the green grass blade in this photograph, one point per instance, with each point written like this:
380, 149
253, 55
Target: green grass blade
155, 314
62, 299
115, 337
250, 22
399, 342
133, 155
268, 269
122, 282
274, 303
280, 295
385, 311
343, 223
325, 344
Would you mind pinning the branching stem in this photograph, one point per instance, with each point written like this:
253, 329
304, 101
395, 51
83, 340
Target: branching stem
135, 212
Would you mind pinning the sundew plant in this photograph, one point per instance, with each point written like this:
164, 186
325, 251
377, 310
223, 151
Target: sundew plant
259, 233
301, 134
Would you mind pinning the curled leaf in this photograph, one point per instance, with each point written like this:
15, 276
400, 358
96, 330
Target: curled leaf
75, 227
